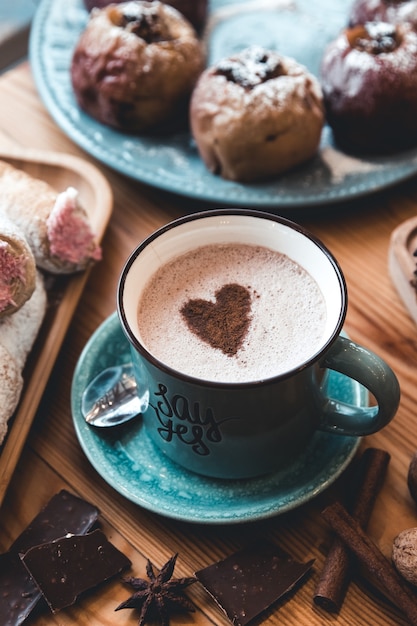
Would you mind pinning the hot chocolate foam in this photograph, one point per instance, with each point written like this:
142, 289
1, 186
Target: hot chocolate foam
286, 317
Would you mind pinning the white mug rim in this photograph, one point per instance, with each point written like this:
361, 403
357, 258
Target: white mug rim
157, 363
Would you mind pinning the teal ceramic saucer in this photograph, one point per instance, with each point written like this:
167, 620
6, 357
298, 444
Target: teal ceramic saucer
127, 459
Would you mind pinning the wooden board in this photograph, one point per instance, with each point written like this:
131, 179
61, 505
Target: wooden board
403, 263
60, 171
358, 234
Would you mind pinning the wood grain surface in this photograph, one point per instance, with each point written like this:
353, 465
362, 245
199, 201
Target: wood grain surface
358, 233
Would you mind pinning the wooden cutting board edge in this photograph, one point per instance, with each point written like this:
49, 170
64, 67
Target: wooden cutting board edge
402, 264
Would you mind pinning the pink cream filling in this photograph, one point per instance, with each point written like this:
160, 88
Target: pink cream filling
11, 268
69, 232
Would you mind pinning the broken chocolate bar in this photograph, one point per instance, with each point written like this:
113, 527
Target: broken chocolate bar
247, 583
67, 567
64, 513
19, 594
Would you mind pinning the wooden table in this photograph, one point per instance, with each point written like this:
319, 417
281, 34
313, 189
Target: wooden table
358, 233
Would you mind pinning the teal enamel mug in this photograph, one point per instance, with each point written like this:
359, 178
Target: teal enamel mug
234, 319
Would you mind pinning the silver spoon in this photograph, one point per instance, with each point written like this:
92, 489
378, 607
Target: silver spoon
111, 397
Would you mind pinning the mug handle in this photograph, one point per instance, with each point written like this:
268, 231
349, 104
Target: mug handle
349, 358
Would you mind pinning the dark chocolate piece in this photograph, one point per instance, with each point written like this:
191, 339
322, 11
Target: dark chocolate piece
19, 594
250, 581
64, 513
67, 567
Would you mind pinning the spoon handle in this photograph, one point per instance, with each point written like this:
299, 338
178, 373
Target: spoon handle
111, 397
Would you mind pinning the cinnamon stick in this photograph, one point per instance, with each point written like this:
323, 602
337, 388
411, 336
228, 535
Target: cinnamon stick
355, 538
335, 576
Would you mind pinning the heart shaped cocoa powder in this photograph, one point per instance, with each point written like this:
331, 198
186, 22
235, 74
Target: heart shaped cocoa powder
222, 324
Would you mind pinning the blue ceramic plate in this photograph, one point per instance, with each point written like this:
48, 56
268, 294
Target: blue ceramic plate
299, 29
134, 467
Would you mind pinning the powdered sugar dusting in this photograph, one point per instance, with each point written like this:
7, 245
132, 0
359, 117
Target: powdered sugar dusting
259, 79
393, 12
402, 59
252, 67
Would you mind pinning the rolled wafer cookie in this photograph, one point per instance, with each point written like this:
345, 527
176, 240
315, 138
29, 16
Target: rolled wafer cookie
10, 388
17, 268
17, 335
57, 228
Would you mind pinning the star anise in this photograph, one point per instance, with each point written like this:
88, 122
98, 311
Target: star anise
160, 595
